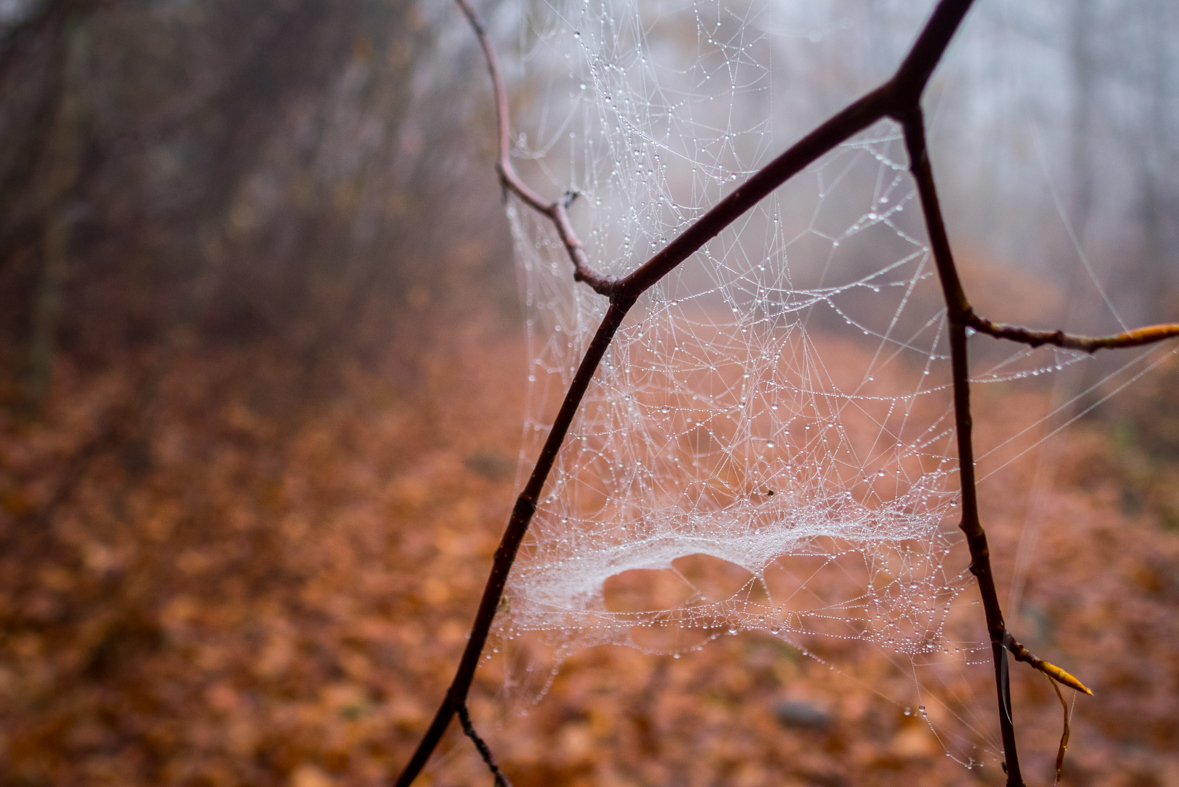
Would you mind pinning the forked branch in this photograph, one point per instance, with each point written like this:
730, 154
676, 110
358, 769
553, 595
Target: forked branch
899, 98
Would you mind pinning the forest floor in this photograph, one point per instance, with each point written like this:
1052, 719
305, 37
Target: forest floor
232, 586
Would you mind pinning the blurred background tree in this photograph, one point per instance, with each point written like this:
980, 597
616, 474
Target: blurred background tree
313, 175
285, 172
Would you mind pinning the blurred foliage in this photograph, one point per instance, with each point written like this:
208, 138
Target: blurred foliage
288, 170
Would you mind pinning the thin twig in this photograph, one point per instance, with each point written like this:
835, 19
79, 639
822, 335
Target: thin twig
484, 750
1051, 670
556, 211
1138, 337
1064, 735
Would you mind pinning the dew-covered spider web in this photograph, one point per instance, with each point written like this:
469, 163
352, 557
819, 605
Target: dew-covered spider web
768, 445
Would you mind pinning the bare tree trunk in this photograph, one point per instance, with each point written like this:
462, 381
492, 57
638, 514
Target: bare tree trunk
56, 187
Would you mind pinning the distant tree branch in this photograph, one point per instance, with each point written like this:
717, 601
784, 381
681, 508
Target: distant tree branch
22, 36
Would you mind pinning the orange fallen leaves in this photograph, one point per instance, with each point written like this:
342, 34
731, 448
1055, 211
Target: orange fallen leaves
281, 597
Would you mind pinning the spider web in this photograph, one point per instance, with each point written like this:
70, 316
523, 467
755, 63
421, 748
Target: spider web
768, 444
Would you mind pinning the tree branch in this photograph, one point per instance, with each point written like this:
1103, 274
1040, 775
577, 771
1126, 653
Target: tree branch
1090, 344
505, 554
557, 211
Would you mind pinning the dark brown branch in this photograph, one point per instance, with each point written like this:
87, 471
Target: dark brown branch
557, 211
893, 97
971, 525
484, 750
915, 70
1090, 344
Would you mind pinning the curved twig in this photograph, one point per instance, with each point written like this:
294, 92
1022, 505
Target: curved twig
556, 211
483, 748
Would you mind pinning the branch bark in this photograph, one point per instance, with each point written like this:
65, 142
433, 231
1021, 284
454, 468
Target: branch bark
1138, 337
